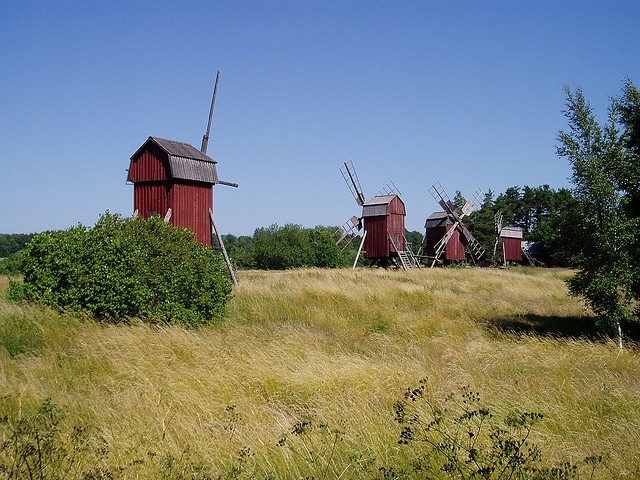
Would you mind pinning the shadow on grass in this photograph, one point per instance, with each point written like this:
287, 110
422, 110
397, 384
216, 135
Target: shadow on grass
583, 327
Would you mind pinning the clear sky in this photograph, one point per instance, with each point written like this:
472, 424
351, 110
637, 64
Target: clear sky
466, 93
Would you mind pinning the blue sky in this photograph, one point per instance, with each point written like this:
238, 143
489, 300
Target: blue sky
469, 94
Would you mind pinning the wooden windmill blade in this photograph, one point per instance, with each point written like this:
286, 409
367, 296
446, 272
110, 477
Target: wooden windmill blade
475, 249
347, 231
350, 177
439, 195
498, 221
203, 149
389, 189
440, 247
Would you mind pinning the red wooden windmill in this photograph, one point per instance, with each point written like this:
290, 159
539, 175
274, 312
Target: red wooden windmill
175, 180
382, 222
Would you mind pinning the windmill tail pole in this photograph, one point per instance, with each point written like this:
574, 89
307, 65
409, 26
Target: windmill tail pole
205, 137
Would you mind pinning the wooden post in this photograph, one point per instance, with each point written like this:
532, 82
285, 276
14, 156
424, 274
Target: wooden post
364, 235
224, 251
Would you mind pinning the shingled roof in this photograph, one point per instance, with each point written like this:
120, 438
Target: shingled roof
185, 161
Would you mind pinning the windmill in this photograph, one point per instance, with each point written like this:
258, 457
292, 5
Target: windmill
175, 180
456, 229
382, 223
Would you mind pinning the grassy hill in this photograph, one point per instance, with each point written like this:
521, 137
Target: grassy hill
301, 377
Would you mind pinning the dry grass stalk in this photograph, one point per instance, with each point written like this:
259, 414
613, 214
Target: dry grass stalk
336, 347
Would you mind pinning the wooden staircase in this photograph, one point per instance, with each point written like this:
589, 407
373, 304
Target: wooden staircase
406, 258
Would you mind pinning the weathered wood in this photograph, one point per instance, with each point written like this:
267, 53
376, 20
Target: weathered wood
205, 138
224, 250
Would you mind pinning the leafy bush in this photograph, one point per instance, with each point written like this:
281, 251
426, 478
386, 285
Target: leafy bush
125, 268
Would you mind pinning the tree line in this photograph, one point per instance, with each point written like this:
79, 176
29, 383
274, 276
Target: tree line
11, 243
539, 211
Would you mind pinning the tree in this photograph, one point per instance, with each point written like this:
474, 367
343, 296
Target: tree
239, 249
602, 226
279, 248
482, 225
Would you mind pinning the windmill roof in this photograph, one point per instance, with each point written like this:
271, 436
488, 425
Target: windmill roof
381, 200
185, 161
438, 219
511, 232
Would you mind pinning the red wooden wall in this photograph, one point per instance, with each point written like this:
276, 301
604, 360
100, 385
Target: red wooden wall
512, 249
154, 193
380, 228
454, 250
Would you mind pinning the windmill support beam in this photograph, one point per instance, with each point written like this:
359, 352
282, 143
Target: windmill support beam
224, 250
355, 262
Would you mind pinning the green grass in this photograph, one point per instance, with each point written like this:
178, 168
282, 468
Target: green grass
337, 349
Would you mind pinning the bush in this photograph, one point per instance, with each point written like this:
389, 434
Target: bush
125, 268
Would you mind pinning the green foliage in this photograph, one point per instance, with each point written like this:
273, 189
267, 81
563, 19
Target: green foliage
280, 248
11, 264
125, 268
13, 243
292, 246
415, 239
239, 250
539, 211
482, 225
463, 439
603, 228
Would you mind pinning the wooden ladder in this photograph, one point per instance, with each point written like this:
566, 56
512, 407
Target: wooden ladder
405, 261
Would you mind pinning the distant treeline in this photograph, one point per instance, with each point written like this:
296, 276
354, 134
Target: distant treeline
541, 212
12, 243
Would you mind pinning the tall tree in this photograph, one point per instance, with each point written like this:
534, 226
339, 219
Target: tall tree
603, 224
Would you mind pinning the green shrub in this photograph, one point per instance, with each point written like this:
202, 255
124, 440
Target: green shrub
125, 268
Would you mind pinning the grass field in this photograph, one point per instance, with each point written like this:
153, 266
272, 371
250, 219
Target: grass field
331, 350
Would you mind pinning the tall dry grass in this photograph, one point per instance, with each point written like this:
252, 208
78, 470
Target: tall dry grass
334, 347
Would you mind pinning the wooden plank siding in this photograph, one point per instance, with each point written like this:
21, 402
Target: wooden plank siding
512, 249
156, 188
511, 238
191, 204
436, 227
384, 217
150, 166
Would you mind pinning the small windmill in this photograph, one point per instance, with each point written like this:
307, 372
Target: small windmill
457, 227
382, 222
